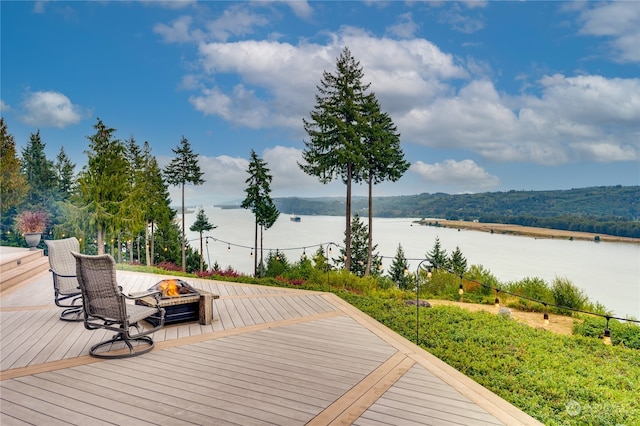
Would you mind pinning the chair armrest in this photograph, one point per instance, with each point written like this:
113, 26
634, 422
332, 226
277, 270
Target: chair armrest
62, 275
133, 296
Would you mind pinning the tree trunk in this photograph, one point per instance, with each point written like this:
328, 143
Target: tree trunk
100, 240
255, 250
347, 261
184, 253
369, 254
200, 251
152, 242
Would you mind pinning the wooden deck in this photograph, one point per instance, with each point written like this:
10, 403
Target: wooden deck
270, 356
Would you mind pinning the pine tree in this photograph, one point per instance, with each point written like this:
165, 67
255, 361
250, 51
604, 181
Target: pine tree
200, 226
157, 200
65, 174
259, 201
335, 130
438, 256
359, 249
102, 183
458, 262
384, 159
40, 174
13, 185
398, 271
182, 170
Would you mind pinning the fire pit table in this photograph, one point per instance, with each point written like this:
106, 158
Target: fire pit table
182, 303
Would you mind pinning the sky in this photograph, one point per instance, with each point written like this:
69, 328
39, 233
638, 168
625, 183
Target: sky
487, 96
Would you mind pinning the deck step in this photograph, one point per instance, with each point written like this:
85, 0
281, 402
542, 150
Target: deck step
21, 267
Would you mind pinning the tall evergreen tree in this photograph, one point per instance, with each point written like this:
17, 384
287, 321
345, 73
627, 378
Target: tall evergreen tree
182, 170
201, 225
13, 185
157, 200
259, 201
102, 183
398, 271
384, 159
438, 256
336, 132
40, 174
65, 173
458, 262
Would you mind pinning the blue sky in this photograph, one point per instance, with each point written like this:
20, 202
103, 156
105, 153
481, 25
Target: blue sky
487, 96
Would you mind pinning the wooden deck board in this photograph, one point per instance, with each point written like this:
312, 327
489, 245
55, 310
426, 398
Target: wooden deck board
270, 356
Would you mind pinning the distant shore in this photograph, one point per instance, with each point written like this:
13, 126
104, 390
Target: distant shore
528, 231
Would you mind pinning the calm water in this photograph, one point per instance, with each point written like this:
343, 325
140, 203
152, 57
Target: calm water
609, 273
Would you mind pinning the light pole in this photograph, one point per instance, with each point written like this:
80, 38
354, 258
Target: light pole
418, 294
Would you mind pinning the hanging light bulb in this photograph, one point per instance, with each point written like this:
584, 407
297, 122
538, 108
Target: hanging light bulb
228, 247
380, 266
429, 272
304, 254
546, 318
251, 254
361, 263
497, 301
461, 289
406, 271
607, 334
329, 250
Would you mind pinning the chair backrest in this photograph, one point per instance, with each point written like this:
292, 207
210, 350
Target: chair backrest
101, 295
62, 263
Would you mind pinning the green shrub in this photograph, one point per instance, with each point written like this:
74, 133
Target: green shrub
567, 295
622, 333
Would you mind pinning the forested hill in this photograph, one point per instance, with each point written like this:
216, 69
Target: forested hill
613, 210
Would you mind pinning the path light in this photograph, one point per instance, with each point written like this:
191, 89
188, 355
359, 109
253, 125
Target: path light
418, 292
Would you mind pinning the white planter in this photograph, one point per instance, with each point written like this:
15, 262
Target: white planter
33, 240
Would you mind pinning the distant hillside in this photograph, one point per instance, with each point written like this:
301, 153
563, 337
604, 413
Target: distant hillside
613, 210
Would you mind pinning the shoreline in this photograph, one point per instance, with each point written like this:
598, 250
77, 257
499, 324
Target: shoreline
526, 231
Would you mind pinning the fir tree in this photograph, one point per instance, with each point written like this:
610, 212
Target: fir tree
438, 256
458, 262
384, 159
259, 201
40, 174
65, 174
359, 249
102, 183
334, 148
182, 170
399, 269
13, 185
201, 225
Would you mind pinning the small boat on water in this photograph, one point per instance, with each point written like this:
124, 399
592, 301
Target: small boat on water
295, 218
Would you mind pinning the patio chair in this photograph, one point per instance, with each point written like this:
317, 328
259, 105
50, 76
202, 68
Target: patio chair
106, 307
65, 284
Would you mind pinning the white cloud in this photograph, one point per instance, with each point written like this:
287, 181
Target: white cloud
464, 176
178, 32
236, 20
620, 21
301, 8
4, 107
405, 26
50, 109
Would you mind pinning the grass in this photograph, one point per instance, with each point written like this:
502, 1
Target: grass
557, 379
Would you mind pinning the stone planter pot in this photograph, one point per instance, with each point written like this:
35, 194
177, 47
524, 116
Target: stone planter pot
33, 240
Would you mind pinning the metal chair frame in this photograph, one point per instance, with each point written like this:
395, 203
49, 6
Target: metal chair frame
106, 307
62, 266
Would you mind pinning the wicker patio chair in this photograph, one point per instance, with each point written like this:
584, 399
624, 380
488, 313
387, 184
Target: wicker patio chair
105, 307
65, 284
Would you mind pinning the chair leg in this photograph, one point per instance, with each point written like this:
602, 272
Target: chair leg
72, 314
144, 345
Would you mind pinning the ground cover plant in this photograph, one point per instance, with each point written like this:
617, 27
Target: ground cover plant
557, 379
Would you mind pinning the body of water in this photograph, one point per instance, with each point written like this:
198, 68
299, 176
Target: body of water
608, 273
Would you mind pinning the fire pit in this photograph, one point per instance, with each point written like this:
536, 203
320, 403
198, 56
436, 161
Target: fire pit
182, 302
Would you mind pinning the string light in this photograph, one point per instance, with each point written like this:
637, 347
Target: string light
497, 301
606, 338
546, 315
460, 289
